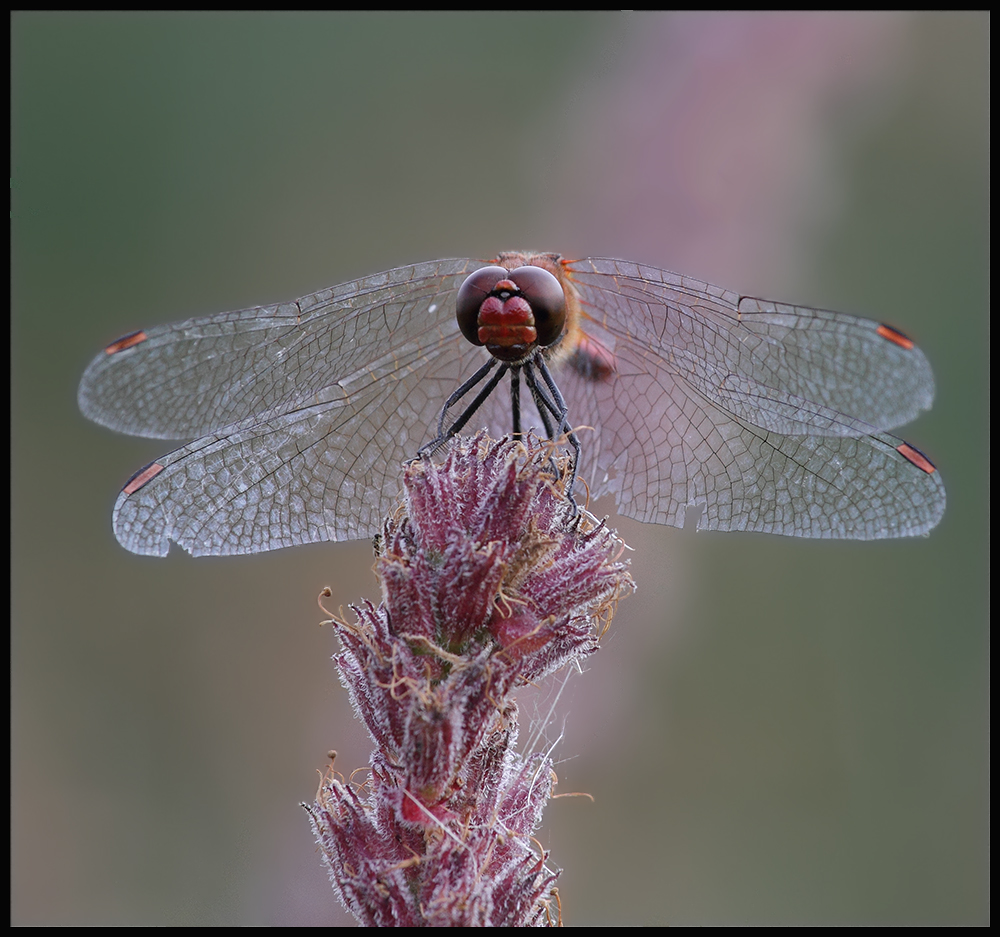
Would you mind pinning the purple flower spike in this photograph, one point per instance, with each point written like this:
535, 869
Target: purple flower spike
491, 578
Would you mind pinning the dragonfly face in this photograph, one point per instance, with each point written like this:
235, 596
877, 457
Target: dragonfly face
759, 415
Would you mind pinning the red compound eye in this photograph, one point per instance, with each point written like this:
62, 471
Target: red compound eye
544, 294
475, 290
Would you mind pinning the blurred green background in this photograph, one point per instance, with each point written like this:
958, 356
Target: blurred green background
775, 731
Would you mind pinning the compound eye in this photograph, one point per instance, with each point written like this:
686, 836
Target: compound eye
543, 292
474, 290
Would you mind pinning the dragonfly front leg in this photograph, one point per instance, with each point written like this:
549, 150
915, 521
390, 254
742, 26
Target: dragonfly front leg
466, 415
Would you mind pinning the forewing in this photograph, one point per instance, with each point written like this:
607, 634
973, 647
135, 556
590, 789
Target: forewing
195, 377
788, 369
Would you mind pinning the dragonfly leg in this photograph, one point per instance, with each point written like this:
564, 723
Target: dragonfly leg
443, 436
553, 405
462, 391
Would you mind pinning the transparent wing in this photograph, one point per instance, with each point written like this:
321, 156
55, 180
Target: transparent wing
789, 369
763, 417
191, 378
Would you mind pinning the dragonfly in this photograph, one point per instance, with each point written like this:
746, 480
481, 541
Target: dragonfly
690, 404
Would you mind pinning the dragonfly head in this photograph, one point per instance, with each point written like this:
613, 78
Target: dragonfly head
511, 312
